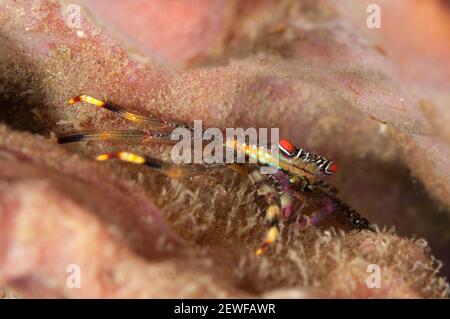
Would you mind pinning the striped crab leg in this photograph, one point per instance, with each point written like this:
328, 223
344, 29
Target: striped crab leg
331, 205
129, 136
286, 193
147, 120
265, 187
166, 168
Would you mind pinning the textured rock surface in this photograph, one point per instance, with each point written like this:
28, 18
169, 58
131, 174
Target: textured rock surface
311, 68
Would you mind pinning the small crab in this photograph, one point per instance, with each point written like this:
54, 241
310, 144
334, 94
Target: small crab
297, 174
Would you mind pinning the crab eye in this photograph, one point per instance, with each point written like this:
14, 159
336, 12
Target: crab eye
331, 168
287, 147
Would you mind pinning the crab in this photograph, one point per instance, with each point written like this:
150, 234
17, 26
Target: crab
296, 174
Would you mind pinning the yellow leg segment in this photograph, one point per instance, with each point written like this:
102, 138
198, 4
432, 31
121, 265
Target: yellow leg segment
173, 171
271, 236
155, 122
272, 216
123, 156
87, 99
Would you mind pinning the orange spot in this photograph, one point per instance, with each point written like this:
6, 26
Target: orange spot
174, 173
74, 100
288, 146
333, 168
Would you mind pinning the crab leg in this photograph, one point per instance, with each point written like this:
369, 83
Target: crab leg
286, 193
151, 121
331, 205
134, 136
149, 161
327, 209
266, 188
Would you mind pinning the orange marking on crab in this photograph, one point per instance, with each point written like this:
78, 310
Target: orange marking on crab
287, 146
333, 168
